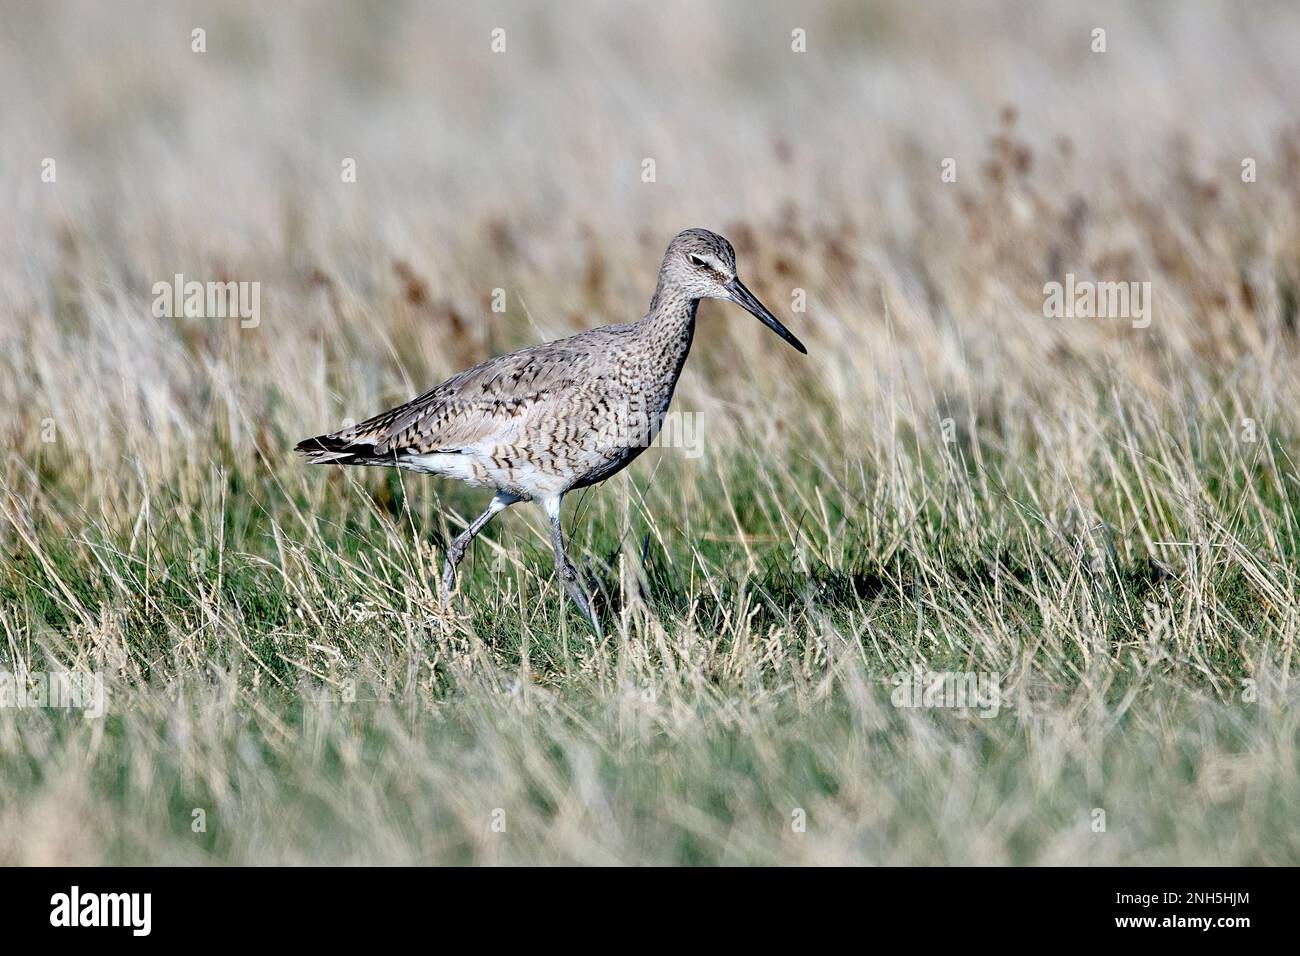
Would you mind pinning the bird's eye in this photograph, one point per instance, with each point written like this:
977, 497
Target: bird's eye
697, 261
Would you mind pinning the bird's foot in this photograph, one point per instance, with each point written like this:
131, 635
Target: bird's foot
449, 576
583, 600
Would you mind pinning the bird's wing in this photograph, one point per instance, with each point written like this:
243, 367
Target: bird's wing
479, 403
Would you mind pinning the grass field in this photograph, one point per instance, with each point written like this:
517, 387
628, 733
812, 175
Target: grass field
1094, 517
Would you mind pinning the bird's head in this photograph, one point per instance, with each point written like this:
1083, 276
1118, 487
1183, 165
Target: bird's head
703, 265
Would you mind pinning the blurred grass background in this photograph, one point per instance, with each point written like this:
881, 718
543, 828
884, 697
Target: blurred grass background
1103, 516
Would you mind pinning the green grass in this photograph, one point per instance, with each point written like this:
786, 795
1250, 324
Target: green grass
300, 686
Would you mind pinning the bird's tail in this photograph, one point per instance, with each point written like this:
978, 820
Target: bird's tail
335, 450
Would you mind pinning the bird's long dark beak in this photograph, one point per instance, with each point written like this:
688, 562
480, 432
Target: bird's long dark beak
744, 298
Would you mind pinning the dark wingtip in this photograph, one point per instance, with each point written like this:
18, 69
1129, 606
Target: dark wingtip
333, 450
324, 449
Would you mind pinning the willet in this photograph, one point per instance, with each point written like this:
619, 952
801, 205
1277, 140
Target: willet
537, 423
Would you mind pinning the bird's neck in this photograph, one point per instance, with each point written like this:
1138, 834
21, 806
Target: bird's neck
672, 312
667, 330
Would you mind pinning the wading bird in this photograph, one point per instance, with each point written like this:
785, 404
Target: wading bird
535, 424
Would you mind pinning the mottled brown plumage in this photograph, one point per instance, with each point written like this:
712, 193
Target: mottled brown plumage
537, 423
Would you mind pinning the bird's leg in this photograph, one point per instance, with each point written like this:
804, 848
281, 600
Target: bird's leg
456, 551
568, 573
